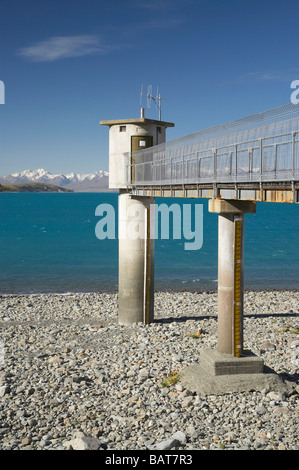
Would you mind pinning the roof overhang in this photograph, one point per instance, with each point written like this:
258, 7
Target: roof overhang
138, 121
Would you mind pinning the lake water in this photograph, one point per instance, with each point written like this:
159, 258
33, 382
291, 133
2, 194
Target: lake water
48, 244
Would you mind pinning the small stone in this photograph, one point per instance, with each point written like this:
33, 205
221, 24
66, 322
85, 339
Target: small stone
32, 422
54, 360
43, 443
281, 447
260, 409
149, 442
4, 431
177, 358
187, 402
180, 436
267, 346
281, 409
67, 445
82, 355
262, 435
85, 443
4, 390
131, 373
179, 387
167, 444
143, 373
26, 441
277, 396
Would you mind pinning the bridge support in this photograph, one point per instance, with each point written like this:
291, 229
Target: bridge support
230, 272
230, 369
136, 259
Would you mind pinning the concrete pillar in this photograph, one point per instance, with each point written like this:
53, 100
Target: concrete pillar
231, 272
136, 259
229, 369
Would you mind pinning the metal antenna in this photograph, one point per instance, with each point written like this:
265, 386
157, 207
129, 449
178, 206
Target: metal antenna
141, 95
149, 96
158, 103
157, 100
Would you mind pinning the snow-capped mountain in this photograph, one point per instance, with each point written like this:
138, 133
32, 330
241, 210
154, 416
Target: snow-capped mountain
97, 181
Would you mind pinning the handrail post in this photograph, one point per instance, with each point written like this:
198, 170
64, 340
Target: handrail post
127, 174
293, 154
132, 169
215, 163
199, 165
261, 159
275, 160
153, 168
250, 163
236, 161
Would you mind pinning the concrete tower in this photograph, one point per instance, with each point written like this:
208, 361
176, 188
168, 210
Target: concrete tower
136, 216
128, 136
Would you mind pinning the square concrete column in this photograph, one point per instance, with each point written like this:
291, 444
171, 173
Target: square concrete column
231, 272
229, 368
136, 259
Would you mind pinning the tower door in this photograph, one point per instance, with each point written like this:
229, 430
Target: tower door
139, 142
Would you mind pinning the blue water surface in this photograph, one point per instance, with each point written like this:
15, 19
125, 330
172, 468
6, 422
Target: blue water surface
48, 244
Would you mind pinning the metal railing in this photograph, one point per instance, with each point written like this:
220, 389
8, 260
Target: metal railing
264, 147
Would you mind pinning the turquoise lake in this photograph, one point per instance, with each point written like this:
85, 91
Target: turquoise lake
48, 244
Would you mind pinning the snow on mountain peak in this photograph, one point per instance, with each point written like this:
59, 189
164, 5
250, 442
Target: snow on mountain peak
44, 176
31, 174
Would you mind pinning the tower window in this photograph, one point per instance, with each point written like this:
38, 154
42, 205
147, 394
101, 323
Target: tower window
122, 128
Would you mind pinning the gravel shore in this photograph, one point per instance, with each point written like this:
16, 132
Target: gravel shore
72, 378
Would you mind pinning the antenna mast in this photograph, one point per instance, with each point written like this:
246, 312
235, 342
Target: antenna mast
157, 100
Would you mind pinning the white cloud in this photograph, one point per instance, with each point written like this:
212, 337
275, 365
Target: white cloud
280, 75
63, 47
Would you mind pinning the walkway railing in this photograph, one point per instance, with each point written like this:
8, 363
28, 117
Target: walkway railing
263, 147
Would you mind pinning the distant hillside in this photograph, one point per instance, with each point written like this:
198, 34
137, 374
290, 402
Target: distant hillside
32, 188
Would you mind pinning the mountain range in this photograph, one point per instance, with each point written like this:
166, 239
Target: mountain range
78, 182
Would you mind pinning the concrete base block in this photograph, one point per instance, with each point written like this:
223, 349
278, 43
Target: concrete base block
217, 363
220, 374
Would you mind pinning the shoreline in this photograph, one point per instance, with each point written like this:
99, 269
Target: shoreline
157, 291
71, 377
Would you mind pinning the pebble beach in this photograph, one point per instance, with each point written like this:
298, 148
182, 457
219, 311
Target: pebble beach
72, 378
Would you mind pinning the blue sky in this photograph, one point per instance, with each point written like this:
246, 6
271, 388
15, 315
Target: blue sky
66, 65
